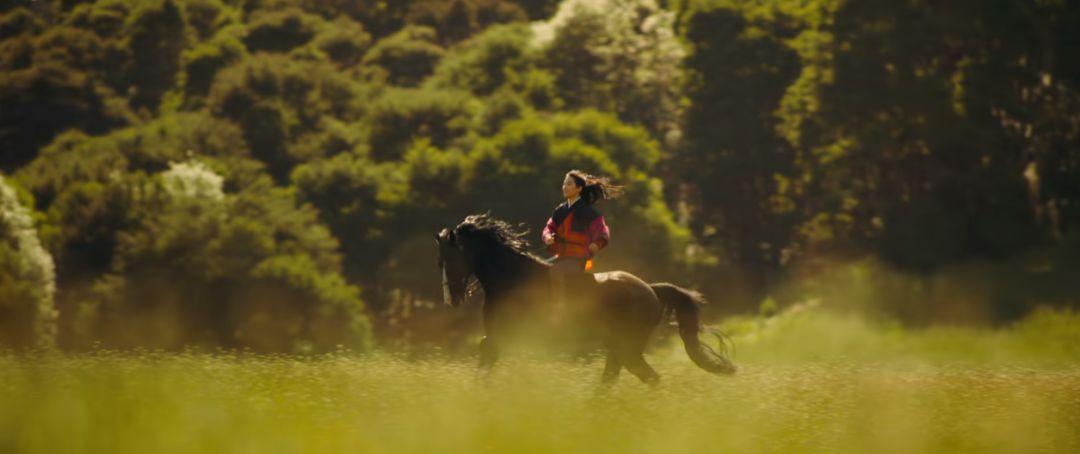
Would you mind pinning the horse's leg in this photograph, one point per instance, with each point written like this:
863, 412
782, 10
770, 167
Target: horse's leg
636, 364
488, 354
611, 368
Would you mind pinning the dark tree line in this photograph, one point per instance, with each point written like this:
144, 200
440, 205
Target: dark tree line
267, 173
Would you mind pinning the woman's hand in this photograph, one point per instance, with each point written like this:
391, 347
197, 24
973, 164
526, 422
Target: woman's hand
593, 248
549, 240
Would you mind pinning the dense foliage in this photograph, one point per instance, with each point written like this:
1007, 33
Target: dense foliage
268, 173
939, 138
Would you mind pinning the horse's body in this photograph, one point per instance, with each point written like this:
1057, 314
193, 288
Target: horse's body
616, 308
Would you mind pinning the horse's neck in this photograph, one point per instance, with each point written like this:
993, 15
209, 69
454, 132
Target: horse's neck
504, 270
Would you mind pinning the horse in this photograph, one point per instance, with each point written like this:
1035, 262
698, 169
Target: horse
616, 308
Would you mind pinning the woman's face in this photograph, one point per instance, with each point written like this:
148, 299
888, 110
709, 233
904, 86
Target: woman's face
570, 188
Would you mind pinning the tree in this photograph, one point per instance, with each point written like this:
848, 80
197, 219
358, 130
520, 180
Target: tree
278, 102
905, 143
401, 116
538, 9
202, 63
732, 160
41, 101
207, 17
281, 30
344, 42
379, 17
106, 19
617, 55
157, 34
486, 61
407, 56
250, 269
348, 192
19, 21
88, 188
458, 20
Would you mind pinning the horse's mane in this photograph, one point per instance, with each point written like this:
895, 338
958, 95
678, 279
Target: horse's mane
501, 233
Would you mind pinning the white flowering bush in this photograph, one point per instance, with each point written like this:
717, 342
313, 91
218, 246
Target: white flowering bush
193, 179
27, 277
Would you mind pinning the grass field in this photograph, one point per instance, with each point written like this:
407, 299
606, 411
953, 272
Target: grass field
810, 381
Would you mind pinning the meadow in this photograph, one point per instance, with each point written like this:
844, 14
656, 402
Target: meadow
810, 380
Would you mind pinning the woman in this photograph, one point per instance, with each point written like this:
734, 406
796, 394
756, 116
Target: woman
576, 231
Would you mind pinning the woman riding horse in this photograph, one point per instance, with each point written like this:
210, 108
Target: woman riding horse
620, 309
576, 231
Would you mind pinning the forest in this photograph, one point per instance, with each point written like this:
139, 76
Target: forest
268, 175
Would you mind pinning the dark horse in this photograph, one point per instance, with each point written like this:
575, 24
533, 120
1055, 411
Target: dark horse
617, 308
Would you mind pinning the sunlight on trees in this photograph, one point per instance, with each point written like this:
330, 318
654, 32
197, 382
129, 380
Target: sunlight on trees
319, 144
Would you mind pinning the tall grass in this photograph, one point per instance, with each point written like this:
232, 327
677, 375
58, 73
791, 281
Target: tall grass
810, 381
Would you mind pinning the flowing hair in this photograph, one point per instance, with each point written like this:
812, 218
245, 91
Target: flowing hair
594, 188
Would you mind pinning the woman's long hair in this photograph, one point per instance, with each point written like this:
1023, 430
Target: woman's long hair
594, 188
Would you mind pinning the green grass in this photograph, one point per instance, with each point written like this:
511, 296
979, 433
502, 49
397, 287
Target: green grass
810, 381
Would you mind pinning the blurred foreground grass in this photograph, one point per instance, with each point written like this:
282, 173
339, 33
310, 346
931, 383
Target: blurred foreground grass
810, 381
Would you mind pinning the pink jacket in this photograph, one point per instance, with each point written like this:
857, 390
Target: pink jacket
598, 232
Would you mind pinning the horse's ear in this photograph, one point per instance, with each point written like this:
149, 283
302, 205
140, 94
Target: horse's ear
445, 236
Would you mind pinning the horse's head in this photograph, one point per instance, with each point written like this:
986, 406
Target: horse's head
456, 265
477, 240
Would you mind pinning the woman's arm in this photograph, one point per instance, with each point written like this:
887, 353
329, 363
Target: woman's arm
599, 234
548, 235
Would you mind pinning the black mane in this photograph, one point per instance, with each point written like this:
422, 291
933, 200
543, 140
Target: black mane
495, 231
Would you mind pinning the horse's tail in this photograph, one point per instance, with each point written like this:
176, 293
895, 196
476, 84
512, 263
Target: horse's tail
685, 303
